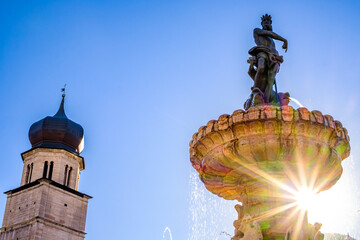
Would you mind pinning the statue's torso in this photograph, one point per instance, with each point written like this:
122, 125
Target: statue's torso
264, 42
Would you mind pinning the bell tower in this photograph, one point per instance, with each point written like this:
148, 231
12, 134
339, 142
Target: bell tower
48, 205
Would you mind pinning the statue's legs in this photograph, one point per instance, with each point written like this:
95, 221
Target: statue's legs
269, 86
272, 71
260, 78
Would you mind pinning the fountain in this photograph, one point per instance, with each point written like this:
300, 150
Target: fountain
167, 229
269, 155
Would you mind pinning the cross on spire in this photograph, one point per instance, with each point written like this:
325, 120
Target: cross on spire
63, 90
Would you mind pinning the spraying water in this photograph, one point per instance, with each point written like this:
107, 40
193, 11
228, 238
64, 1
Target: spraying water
296, 101
209, 214
223, 233
167, 229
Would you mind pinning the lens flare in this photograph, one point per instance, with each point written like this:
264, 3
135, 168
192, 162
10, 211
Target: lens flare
305, 198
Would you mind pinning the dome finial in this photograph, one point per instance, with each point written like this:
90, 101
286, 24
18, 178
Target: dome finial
63, 90
61, 111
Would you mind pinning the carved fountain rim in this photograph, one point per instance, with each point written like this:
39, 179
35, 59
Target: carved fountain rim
285, 114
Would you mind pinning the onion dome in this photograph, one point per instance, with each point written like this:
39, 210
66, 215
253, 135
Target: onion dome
57, 132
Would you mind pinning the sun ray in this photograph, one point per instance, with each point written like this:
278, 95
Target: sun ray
322, 184
301, 221
267, 176
274, 211
300, 168
290, 216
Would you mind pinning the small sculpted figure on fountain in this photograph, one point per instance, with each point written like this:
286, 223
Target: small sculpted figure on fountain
307, 232
245, 227
316, 231
264, 65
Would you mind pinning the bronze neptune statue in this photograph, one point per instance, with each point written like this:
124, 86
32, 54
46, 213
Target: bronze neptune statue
264, 65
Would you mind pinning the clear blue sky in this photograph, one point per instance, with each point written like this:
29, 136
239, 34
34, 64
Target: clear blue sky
143, 76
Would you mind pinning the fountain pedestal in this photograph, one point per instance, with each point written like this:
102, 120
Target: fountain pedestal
263, 157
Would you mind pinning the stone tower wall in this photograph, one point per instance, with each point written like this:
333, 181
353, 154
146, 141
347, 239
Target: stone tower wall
61, 212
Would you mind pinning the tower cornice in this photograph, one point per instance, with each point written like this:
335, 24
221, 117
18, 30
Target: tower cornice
40, 181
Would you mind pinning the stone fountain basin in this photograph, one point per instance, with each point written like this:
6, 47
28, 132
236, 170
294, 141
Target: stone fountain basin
238, 155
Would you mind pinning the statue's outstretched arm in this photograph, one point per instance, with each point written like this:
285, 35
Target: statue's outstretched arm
273, 35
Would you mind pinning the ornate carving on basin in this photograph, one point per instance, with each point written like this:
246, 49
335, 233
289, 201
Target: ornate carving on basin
259, 155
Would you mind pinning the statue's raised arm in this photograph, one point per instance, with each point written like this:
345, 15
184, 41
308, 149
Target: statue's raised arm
264, 65
266, 33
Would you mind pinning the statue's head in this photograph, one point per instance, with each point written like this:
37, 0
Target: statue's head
266, 22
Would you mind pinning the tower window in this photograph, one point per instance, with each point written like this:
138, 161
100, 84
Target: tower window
51, 170
45, 169
31, 170
65, 173
27, 174
68, 178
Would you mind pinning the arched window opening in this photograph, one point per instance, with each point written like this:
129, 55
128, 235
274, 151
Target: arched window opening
69, 175
27, 174
45, 169
31, 170
65, 173
51, 170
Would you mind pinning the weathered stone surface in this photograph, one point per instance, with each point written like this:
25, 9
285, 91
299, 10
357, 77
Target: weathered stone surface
46, 207
248, 155
258, 131
27, 211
